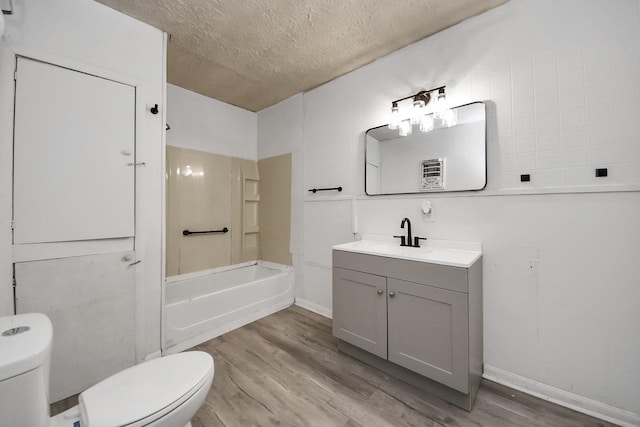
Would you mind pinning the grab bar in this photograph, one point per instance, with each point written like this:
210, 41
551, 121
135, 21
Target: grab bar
313, 190
188, 233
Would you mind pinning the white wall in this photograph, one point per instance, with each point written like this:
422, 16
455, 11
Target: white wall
280, 128
202, 123
561, 82
280, 132
93, 38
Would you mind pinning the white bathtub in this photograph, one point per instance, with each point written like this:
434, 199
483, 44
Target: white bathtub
203, 305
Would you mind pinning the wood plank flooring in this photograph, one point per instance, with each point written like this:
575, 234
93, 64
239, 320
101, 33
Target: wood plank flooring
285, 370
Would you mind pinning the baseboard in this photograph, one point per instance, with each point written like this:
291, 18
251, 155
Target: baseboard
318, 309
562, 398
152, 356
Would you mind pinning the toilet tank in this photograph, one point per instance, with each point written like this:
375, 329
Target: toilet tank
25, 352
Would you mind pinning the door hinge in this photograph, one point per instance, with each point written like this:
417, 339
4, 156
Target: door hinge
14, 282
13, 225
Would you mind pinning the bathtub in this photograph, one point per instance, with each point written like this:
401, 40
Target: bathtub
203, 305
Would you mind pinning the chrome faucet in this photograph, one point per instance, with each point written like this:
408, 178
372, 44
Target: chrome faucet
406, 240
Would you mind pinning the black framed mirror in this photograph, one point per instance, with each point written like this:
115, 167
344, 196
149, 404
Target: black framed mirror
451, 156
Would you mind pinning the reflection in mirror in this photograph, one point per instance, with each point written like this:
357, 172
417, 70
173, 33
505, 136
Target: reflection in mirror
446, 154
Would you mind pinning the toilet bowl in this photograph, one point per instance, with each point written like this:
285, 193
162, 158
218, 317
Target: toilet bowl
165, 392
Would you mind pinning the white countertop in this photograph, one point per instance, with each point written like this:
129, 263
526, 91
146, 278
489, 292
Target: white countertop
435, 251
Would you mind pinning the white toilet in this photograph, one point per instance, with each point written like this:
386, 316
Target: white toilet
165, 392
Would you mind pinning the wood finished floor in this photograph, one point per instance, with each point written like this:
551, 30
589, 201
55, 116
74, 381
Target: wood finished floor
285, 370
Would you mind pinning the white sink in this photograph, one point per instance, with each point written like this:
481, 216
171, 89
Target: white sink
435, 251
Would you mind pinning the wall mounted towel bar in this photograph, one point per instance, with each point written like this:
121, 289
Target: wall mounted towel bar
313, 190
10, 10
188, 233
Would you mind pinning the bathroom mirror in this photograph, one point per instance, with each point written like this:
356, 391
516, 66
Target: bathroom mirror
450, 157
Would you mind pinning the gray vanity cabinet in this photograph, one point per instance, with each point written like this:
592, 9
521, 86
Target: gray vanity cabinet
428, 330
360, 304
409, 317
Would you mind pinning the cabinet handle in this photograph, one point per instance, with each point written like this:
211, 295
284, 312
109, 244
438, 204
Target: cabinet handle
379, 291
392, 294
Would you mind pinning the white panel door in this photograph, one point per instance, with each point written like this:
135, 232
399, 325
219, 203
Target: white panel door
90, 301
74, 140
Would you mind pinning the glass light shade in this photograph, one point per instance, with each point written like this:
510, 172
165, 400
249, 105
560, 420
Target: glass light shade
426, 123
417, 112
440, 105
394, 119
449, 118
405, 127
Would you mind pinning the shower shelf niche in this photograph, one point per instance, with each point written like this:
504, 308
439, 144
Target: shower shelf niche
250, 226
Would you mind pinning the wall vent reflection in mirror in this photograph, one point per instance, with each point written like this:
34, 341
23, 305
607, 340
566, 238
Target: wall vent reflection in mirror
395, 164
432, 174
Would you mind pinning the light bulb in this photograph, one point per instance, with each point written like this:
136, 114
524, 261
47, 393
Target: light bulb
405, 127
394, 120
426, 123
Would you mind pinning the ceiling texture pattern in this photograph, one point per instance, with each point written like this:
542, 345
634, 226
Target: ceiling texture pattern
256, 53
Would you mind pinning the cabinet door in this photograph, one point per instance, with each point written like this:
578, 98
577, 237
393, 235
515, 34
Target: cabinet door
74, 141
91, 303
428, 332
360, 310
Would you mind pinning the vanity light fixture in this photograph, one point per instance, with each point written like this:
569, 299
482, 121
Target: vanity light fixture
405, 127
420, 114
426, 123
449, 117
440, 104
394, 121
420, 101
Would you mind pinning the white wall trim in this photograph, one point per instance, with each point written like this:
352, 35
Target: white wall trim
74, 65
562, 398
151, 356
7, 89
52, 250
631, 188
318, 309
163, 195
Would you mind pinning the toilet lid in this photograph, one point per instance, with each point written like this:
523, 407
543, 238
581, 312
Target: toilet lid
146, 391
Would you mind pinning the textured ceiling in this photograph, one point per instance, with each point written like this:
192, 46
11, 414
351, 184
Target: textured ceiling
256, 53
